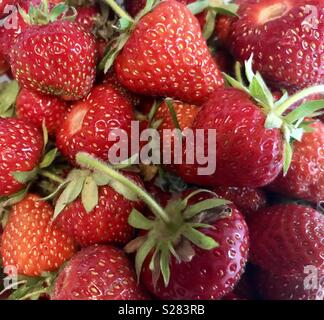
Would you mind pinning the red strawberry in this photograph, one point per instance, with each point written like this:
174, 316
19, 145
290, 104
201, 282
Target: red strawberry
106, 223
287, 238
30, 242
98, 273
4, 67
87, 126
178, 65
305, 178
86, 17
286, 39
247, 154
246, 199
35, 107
21, 147
58, 58
274, 287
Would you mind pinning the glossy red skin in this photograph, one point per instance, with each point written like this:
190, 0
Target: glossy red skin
247, 200
57, 59
286, 238
104, 109
36, 107
166, 55
274, 287
287, 53
21, 146
305, 178
98, 273
30, 241
211, 274
86, 17
247, 154
107, 223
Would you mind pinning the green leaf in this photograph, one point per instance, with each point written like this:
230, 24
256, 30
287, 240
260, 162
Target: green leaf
209, 26
89, 194
48, 158
198, 6
153, 110
229, 9
260, 91
305, 110
165, 264
249, 69
273, 121
142, 253
124, 24
235, 84
25, 176
283, 98
123, 190
57, 11
138, 221
170, 106
288, 153
8, 95
199, 239
100, 178
17, 197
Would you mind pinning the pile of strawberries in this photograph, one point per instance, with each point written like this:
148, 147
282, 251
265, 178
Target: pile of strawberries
76, 226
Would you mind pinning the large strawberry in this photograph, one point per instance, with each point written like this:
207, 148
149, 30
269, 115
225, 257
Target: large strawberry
57, 58
98, 273
286, 38
36, 107
287, 238
166, 55
21, 147
30, 242
305, 179
88, 125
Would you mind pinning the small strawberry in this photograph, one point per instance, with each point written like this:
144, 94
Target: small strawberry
86, 17
305, 178
36, 107
179, 64
286, 39
88, 125
287, 238
21, 147
30, 242
246, 199
57, 58
98, 273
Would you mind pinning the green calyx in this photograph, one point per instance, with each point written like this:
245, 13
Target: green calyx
42, 14
292, 125
175, 227
212, 9
8, 95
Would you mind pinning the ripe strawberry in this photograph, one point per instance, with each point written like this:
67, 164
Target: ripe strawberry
21, 147
287, 238
106, 223
274, 287
305, 178
98, 273
179, 64
86, 17
30, 242
247, 200
58, 58
4, 67
36, 107
87, 127
286, 39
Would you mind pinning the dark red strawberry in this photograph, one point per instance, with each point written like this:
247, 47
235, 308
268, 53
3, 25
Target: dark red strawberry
287, 238
286, 39
179, 64
106, 223
305, 178
36, 107
98, 273
4, 67
86, 17
21, 146
30, 242
87, 126
58, 58
232, 296
246, 199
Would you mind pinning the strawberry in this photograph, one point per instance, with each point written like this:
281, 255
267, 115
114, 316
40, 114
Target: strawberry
86, 17
87, 126
58, 58
287, 238
305, 179
98, 273
30, 242
21, 146
106, 223
274, 287
246, 199
4, 67
36, 107
286, 39
179, 64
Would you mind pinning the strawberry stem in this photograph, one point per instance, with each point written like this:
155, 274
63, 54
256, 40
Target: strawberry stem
92, 163
51, 176
297, 97
118, 10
